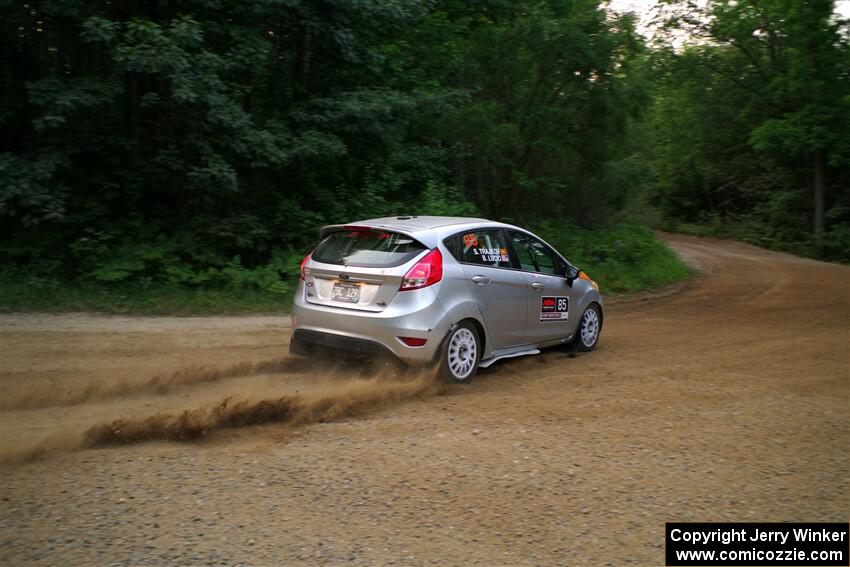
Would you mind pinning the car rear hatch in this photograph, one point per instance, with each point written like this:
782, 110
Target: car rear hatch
358, 267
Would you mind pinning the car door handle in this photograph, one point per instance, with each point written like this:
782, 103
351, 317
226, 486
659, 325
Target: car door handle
481, 280
538, 286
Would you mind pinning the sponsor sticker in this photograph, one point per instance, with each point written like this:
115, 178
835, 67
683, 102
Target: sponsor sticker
554, 308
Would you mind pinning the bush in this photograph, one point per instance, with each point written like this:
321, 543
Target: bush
620, 258
754, 229
102, 259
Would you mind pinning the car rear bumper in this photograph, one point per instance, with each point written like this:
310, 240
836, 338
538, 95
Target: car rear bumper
320, 327
306, 342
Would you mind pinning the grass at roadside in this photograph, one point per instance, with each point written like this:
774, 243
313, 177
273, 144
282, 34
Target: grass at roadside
773, 236
136, 300
622, 259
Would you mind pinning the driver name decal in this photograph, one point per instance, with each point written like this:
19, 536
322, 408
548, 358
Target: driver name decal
492, 254
554, 308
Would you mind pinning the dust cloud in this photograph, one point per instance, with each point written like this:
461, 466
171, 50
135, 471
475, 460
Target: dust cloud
345, 399
41, 397
311, 393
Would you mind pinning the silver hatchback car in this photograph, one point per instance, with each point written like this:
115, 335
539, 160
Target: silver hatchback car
460, 293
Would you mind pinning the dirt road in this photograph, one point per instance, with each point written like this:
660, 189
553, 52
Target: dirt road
727, 400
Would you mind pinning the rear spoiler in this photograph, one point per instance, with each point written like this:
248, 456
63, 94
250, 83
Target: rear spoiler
326, 230
428, 238
331, 228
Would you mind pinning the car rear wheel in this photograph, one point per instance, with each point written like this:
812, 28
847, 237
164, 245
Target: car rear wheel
589, 328
460, 353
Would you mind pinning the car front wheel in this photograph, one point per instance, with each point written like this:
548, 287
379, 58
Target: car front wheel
589, 328
460, 354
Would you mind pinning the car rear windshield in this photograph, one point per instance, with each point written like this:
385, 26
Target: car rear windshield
367, 248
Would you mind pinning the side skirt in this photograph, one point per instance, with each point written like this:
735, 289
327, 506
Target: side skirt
489, 361
522, 351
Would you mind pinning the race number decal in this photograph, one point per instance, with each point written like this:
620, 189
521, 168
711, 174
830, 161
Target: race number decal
554, 308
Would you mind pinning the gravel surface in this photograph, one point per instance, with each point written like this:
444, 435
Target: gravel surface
725, 401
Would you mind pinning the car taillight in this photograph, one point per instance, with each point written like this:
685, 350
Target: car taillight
413, 341
305, 271
427, 271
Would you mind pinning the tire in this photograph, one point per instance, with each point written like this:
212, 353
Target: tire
589, 328
460, 354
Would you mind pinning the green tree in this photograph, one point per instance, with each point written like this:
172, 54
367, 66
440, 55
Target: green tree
551, 98
205, 124
753, 110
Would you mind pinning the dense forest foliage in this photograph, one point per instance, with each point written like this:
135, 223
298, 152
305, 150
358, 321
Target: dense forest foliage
751, 124
201, 143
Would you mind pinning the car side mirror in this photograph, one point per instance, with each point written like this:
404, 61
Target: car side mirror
570, 274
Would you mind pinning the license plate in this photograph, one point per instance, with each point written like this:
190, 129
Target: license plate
346, 292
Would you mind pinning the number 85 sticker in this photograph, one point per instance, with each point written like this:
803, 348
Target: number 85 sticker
554, 308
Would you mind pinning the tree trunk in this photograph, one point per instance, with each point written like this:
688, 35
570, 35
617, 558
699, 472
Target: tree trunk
819, 198
304, 61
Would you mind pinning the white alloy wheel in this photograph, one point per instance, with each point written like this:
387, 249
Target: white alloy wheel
589, 328
462, 354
